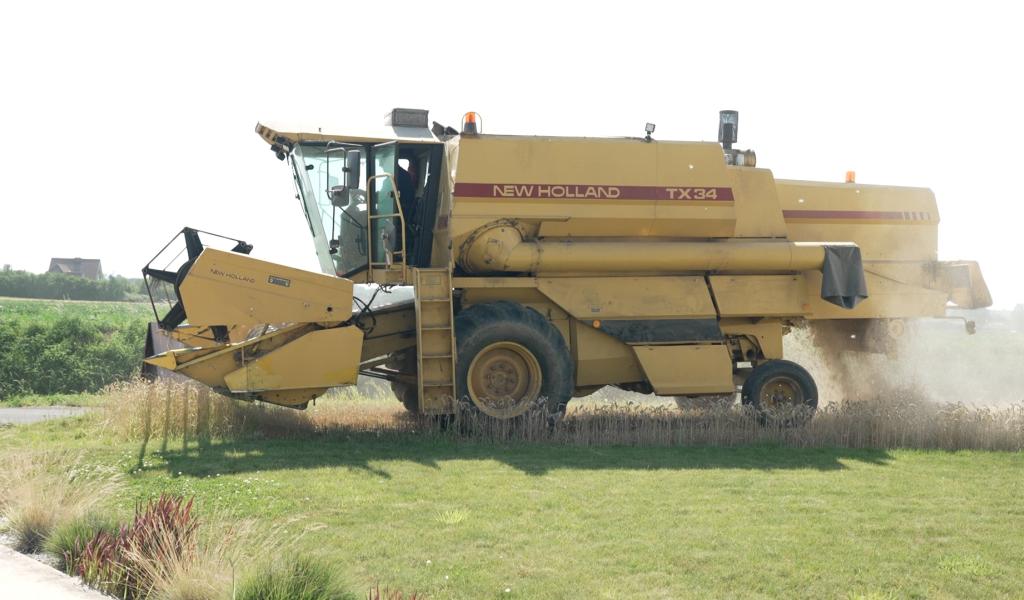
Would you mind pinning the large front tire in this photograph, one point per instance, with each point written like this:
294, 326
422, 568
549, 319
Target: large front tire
508, 359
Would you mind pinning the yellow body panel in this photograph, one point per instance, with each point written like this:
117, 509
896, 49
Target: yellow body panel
514, 160
319, 359
227, 288
888, 299
760, 295
889, 223
254, 378
629, 297
685, 370
629, 188
601, 359
527, 296
210, 364
758, 214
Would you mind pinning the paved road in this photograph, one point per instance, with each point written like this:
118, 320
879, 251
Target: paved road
23, 577
33, 414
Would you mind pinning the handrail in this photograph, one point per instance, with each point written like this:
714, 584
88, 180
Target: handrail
369, 223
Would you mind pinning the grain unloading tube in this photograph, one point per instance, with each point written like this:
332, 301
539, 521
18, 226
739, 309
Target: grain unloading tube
503, 249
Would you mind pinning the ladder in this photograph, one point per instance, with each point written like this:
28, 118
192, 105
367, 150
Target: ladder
435, 340
394, 268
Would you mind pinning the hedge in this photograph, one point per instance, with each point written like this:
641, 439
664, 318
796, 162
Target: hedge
59, 286
69, 354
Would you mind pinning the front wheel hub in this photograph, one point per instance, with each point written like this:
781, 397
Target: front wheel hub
504, 379
781, 391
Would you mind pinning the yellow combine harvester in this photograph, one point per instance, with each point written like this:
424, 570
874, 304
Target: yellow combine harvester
544, 268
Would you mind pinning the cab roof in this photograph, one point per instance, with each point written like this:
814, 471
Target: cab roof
292, 133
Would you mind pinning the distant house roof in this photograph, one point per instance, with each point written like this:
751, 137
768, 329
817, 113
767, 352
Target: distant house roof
83, 267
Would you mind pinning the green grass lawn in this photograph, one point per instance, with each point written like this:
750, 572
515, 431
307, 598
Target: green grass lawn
473, 520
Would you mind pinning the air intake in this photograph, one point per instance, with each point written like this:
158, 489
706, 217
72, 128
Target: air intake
407, 117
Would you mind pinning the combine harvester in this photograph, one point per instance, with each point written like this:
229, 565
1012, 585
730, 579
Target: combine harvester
546, 268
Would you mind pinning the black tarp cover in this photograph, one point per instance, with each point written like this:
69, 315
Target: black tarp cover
842, 276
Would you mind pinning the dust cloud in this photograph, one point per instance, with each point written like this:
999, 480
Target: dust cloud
932, 360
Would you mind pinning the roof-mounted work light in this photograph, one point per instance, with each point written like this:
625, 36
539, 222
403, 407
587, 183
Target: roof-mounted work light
472, 123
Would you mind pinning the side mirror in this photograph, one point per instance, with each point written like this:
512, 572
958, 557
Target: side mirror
352, 169
339, 195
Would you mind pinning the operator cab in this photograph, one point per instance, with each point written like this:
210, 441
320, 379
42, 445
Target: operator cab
369, 205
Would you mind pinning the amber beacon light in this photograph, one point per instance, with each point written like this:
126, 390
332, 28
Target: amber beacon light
472, 123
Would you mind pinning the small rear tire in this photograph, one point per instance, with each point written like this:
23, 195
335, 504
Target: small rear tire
781, 393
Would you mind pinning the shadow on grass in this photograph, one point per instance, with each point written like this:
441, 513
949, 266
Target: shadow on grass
370, 453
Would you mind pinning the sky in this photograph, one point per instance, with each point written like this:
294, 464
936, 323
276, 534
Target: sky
124, 122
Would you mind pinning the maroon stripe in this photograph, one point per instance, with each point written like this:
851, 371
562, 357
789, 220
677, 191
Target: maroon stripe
590, 192
852, 214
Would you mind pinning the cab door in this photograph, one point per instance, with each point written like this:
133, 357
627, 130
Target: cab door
387, 243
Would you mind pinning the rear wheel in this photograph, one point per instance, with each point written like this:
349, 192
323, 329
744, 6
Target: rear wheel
510, 359
781, 392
